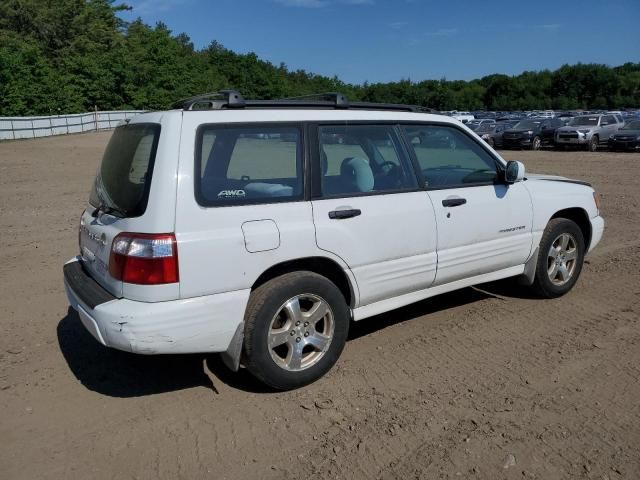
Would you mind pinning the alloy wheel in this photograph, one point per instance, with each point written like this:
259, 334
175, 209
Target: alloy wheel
301, 332
562, 258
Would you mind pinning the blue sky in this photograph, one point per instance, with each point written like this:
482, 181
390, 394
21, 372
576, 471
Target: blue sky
386, 40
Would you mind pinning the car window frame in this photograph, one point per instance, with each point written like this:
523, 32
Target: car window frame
303, 163
500, 166
316, 168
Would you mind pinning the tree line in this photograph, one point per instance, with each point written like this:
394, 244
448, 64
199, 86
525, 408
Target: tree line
66, 56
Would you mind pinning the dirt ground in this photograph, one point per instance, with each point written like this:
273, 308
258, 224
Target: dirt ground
482, 383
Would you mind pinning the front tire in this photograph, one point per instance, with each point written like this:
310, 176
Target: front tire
560, 258
296, 326
593, 144
536, 143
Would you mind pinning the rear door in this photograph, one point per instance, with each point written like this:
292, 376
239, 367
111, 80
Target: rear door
483, 225
369, 210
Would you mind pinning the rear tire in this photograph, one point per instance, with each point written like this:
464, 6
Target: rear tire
560, 258
296, 326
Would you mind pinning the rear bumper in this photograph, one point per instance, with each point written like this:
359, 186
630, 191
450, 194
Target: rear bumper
193, 325
597, 229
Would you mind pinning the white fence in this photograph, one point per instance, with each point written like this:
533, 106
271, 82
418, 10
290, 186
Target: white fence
13, 128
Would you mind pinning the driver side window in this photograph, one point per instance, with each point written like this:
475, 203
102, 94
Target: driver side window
449, 158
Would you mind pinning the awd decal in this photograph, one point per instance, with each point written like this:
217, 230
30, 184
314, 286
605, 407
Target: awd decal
513, 229
232, 194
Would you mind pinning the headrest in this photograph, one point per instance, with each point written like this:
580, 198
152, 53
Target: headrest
358, 173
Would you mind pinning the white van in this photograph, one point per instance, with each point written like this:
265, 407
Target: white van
260, 229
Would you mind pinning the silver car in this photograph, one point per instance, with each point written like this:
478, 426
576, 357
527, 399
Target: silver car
589, 131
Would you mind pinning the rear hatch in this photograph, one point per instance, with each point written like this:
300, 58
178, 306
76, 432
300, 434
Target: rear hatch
120, 193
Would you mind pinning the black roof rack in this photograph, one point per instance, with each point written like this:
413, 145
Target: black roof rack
232, 99
212, 101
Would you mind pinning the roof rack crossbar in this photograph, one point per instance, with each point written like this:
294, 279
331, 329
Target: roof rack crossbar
213, 100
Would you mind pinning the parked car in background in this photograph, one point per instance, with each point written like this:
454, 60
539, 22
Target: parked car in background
464, 117
531, 133
493, 133
479, 122
545, 114
589, 131
565, 117
626, 138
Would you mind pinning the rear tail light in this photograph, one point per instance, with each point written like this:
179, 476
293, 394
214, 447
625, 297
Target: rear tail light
144, 259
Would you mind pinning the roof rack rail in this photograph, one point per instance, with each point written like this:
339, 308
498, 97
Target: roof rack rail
231, 99
338, 99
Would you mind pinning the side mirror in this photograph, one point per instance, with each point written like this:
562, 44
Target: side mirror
514, 172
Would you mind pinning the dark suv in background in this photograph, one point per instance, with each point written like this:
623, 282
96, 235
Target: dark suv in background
532, 133
493, 133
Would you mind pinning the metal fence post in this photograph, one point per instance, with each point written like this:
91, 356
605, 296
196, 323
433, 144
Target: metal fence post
13, 130
95, 115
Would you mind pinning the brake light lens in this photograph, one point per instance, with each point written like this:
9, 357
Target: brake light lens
144, 259
596, 199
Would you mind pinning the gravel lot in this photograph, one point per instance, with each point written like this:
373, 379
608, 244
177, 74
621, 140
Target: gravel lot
481, 383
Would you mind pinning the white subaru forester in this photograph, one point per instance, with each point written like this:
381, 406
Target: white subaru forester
260, 229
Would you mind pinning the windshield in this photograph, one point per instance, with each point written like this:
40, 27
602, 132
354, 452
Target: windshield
527, 124
633, 125
579, 121
123, 180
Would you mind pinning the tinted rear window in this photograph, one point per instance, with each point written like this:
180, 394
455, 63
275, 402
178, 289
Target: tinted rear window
239, 165
123, 181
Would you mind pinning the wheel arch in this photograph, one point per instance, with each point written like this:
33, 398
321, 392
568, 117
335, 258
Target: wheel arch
581, 218
321, 265
575, 214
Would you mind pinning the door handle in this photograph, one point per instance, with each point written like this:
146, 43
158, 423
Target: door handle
347, 213
453, 202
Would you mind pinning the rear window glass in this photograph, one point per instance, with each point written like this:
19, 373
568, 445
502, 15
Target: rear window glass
237, 165
123, 180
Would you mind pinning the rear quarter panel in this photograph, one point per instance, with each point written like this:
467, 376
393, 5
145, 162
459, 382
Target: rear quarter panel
214, 251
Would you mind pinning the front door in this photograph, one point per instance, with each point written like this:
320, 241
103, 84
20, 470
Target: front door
368, 210
483, 225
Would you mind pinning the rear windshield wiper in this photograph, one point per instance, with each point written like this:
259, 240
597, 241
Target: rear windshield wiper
108, 210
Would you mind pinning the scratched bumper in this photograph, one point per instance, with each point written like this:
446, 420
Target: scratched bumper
193, 325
